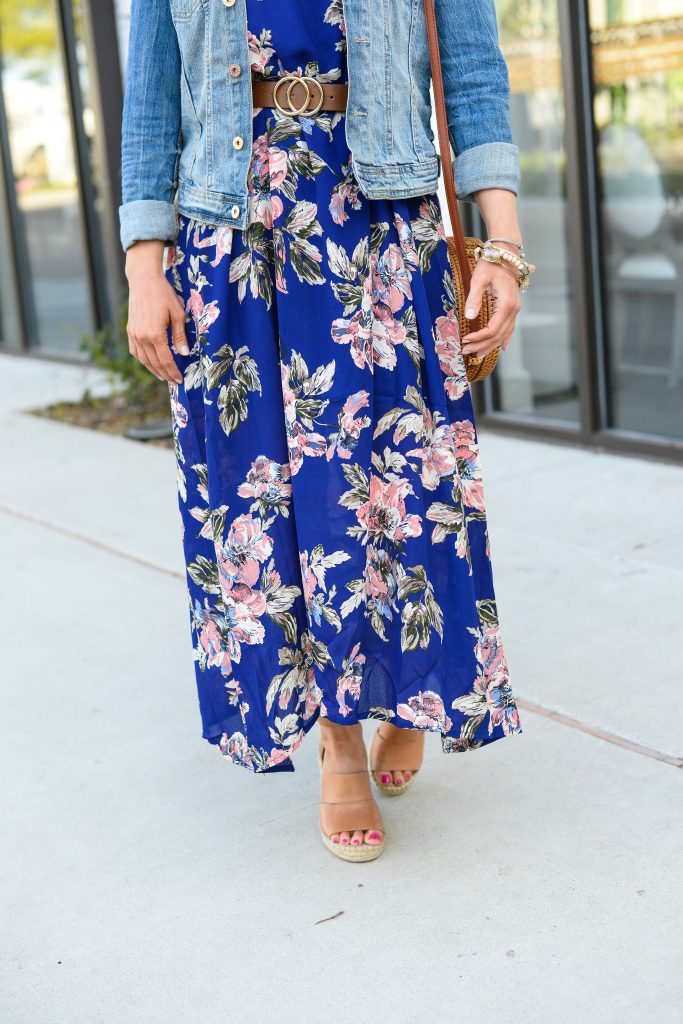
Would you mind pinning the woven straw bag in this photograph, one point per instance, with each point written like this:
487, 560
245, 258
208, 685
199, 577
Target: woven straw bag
460, 249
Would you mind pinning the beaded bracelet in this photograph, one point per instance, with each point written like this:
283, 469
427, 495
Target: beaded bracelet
501, 257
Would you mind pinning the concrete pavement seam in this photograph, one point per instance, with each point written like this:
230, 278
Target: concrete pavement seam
538, 709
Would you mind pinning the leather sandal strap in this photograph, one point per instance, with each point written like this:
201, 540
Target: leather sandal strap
344, 787
341, 808
351, 816
400, 753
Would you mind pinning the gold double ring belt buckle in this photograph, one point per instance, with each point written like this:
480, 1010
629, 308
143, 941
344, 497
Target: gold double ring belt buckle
307, 82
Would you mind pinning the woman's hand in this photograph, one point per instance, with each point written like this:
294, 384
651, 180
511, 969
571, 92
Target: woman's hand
153, 305
504, 288
498, 208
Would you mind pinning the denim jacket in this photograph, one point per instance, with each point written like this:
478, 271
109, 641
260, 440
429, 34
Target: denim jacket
187, 119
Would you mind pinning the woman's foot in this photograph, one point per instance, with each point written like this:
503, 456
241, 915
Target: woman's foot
344, 754
392, 746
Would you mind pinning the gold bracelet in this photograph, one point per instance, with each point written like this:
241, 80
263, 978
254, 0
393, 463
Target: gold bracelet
508, 241
503, 258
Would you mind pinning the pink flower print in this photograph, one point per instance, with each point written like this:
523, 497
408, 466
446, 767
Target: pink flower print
204, 314
490, 656
384, 514
437, 453
356, 332
450, 356
236, 748
350, 679
178, 410
504, 711
311, 693
269, 171
469, 470
492, 683
241, 625
372, 331
346, 192
220, 237
380, 582
268, 483
250, 599
406, 240
345, 441
391, 279
462, 542
472, 490
465, 440
308, 579
245, 548
427, 227
426, 711
300, 442
387, 332
211, 642
277, 756
259, 51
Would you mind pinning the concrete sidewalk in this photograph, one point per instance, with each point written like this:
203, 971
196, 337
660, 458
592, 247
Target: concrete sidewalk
146, 880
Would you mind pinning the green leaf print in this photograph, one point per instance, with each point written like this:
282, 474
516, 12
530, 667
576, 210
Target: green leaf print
419, 617
205, 574
233, 395
360, 487
426, 231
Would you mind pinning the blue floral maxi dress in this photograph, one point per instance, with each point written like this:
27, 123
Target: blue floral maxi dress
331, 496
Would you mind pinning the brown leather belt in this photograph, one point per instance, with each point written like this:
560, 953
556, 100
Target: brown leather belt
293, 95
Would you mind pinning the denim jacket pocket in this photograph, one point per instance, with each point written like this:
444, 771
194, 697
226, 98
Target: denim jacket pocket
183, 10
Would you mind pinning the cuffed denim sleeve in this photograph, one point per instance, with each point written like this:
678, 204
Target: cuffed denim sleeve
150, 140
477, 90
493, 165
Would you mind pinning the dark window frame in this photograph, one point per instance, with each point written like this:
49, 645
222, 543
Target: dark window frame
586, 253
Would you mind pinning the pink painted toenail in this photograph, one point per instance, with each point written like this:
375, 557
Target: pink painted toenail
345, 842
386, 778
356, 842
335, 839
373, 835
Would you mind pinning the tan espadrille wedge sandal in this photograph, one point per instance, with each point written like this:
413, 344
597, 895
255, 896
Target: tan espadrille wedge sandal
342, 811
399, 752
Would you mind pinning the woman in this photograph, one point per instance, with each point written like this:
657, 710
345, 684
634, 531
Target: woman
303, 314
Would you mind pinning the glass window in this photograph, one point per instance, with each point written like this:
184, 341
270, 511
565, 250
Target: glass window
637, 48
42, 154
537, 376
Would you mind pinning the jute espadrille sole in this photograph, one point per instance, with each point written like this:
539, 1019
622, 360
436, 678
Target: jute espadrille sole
388, 788
353, 853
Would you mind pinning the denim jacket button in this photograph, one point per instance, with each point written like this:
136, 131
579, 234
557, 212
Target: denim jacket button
229, 3
235, 212
238, 142
234, 70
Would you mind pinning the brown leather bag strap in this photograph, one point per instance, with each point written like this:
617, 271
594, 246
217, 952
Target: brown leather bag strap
444, 142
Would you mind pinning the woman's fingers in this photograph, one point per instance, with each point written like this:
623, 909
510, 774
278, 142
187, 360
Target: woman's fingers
177, 316
498, 326
506, 303
474, 299
159, 356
